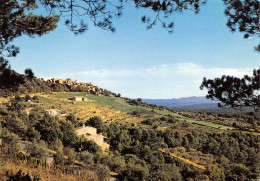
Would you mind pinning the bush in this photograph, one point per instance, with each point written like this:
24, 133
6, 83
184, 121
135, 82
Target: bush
86, 157
27, 98
148, 122
133, 172
102, 172
37, 149
20, 176
35, 98
95, 122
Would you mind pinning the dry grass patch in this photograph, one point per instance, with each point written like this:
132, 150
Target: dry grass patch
87, 109
13, 166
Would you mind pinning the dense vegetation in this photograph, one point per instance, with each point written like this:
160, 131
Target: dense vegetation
136, 152
236, 120
13, 83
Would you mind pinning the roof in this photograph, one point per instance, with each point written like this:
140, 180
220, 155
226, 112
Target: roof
51, 110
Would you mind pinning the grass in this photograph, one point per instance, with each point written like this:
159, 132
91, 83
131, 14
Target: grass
14, 165
67, 94
113, 102
189, 120
110, 109
205, 123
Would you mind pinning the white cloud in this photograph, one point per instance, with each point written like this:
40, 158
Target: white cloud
162, 81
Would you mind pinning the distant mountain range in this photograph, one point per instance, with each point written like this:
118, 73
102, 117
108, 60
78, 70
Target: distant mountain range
185, 103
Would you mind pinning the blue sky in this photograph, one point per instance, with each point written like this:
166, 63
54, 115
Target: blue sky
143, 63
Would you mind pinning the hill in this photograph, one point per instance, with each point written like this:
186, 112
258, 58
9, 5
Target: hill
147, 142
185, 103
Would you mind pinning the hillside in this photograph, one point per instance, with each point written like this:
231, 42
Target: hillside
111, 109
146, 142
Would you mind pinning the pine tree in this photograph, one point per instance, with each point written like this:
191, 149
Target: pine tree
237, 93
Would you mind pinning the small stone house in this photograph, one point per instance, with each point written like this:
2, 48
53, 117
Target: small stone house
53, 112
91, 134
79, 98
57, 80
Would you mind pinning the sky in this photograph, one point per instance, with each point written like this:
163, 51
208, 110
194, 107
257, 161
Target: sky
141, 63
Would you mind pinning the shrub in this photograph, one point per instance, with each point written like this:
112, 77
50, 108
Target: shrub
37, 149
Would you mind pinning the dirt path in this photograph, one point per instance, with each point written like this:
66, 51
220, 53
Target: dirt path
185, 160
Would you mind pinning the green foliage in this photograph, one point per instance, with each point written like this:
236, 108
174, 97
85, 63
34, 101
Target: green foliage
133, 172
169, 138
10, 138
13, 83
15, 22
33, 134
113, 102
167, 172
29, 74
135, 150
216, 173
68, 137
18, 18
15, 125
102, 172
235, 92
58, 146
49, 128
59, 156
243, 17
223, 161
180, 118
95, 122
87, 145
71, 117
34, 118
52, 128
37, 149
86, 157
237, 172
134, 102
71, 155
10, 80
115, 163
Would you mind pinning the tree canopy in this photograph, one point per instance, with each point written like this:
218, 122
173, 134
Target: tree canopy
10, 80
237, 93
17, 17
